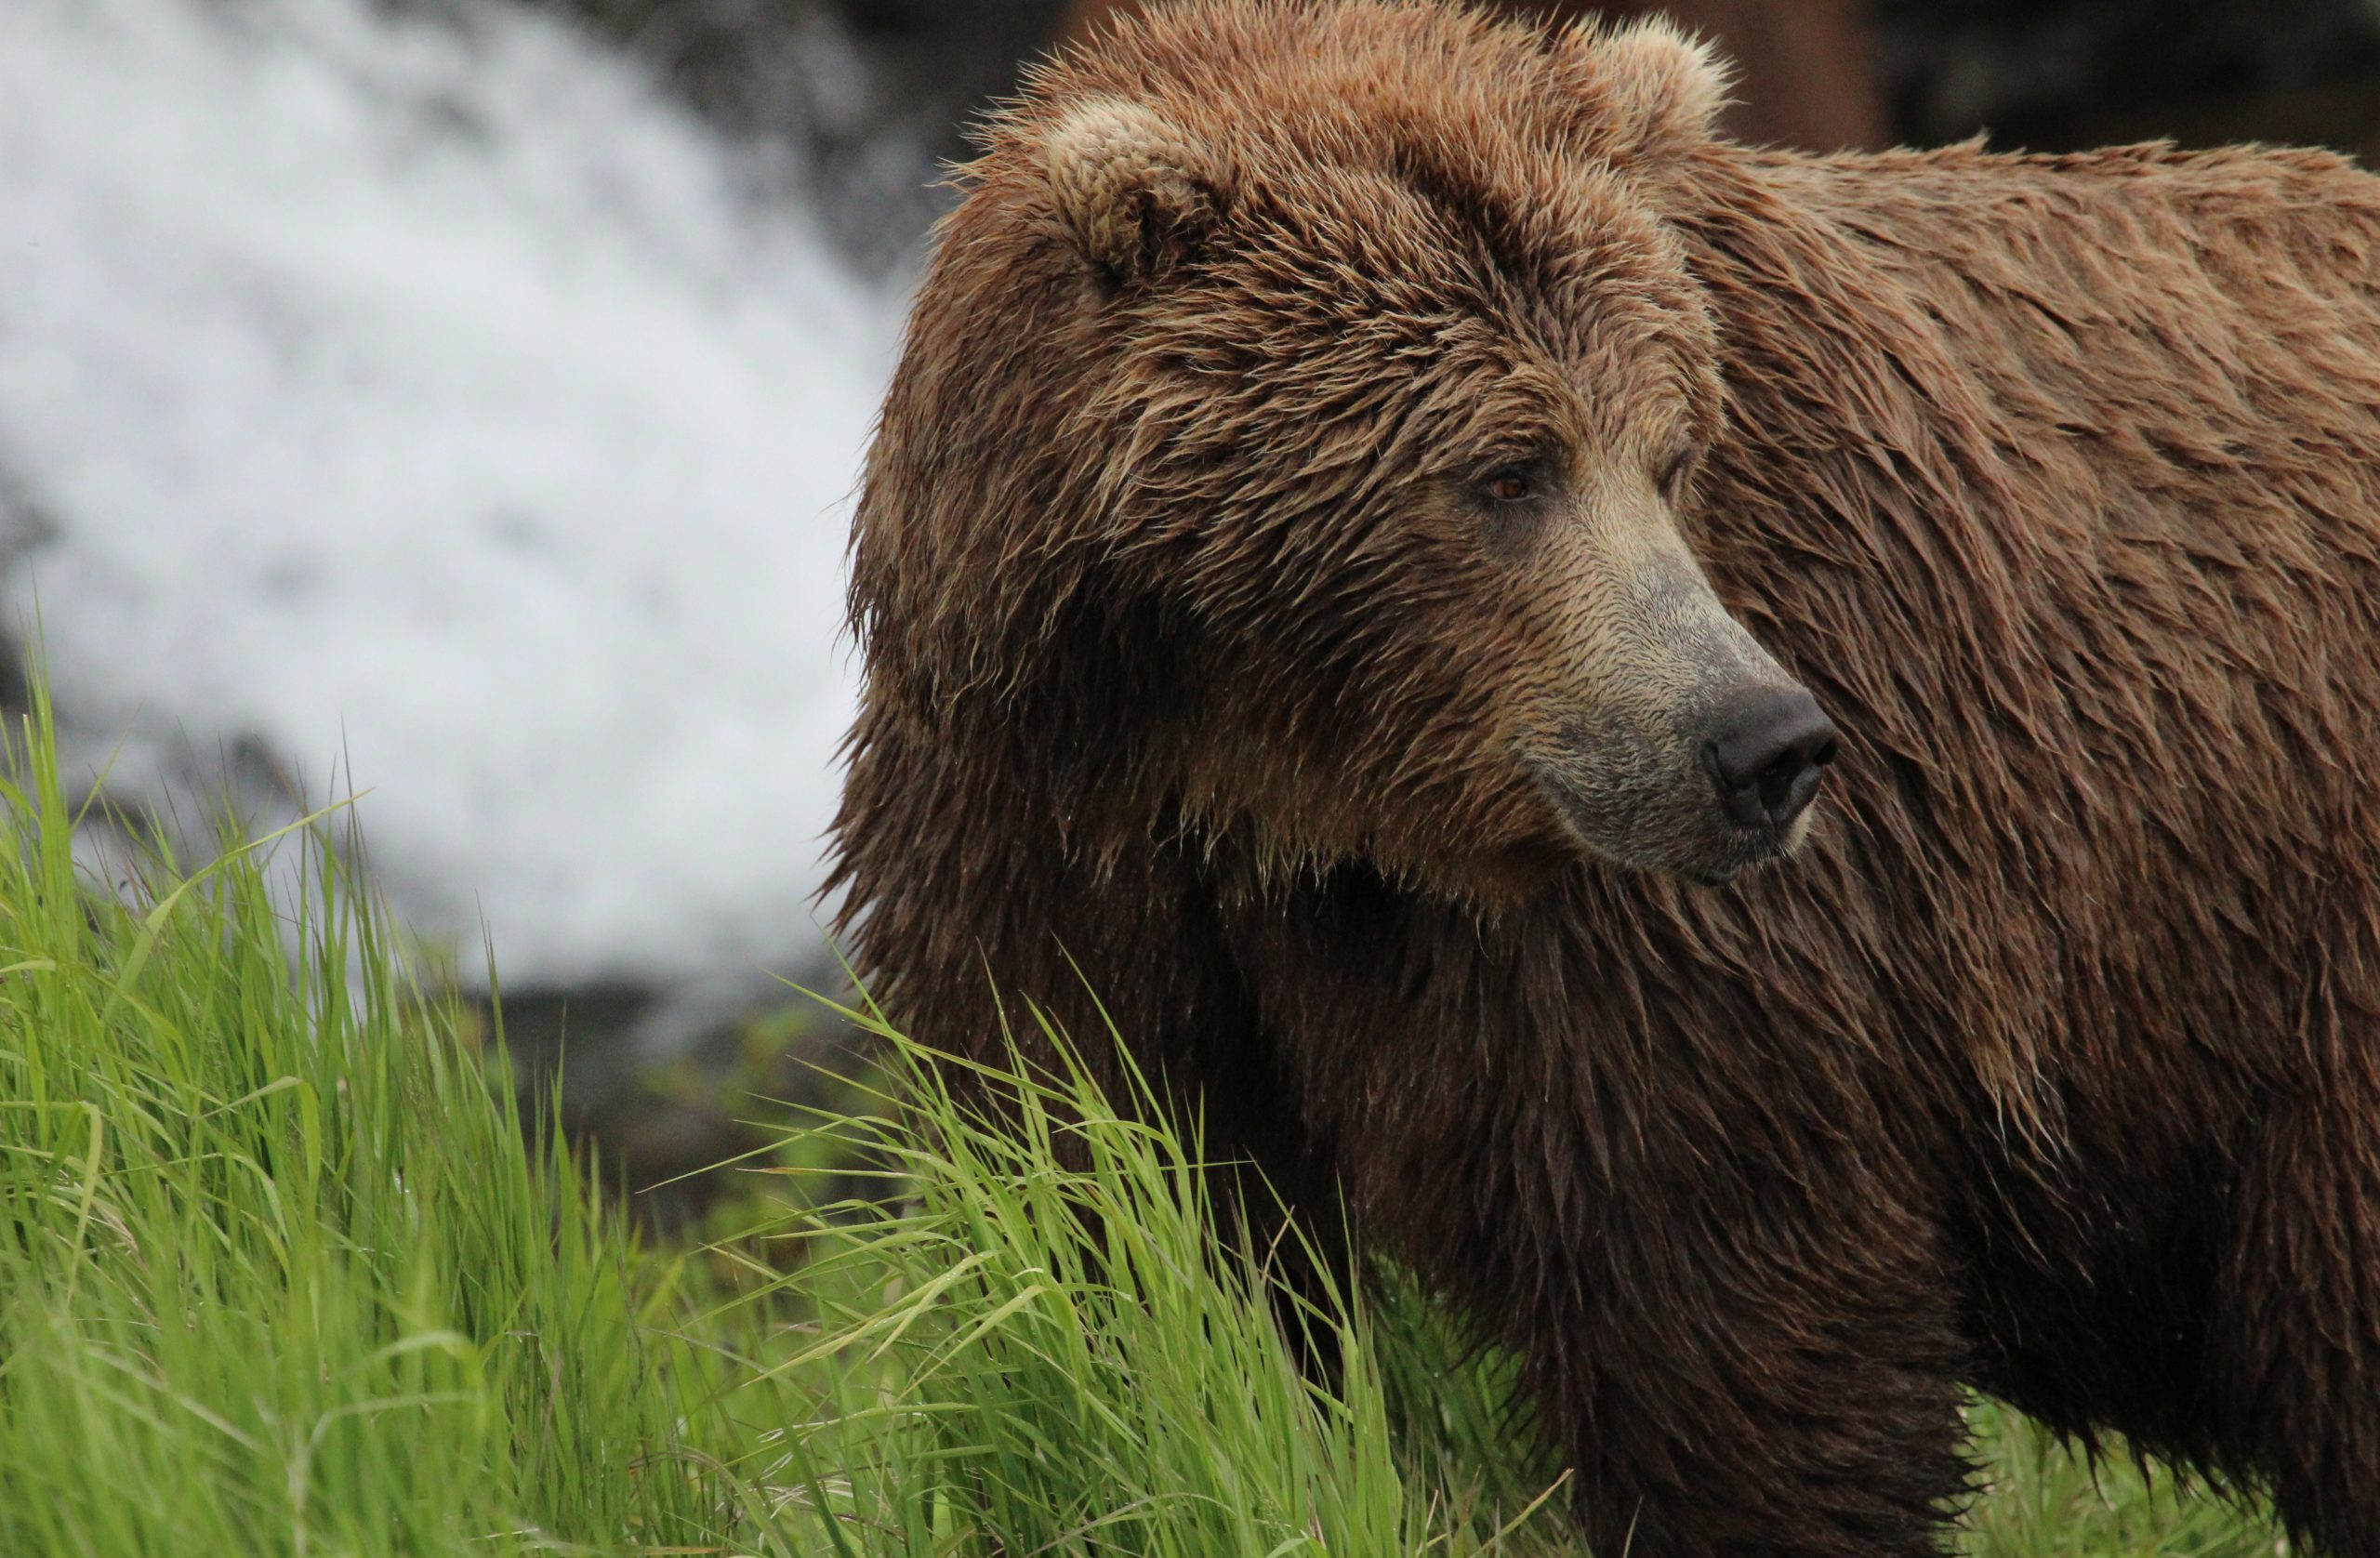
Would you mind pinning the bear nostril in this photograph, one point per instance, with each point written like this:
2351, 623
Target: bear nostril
1770, 753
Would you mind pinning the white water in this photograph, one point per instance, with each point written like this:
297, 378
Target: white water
437, 406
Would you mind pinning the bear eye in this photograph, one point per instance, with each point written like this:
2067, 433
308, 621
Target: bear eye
1672, 469
1509, 485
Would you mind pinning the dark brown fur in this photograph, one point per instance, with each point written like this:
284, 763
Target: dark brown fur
2051, 1063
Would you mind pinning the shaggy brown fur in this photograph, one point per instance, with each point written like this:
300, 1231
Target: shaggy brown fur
2051, 1063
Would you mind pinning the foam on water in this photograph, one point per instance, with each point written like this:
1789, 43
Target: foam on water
440, 398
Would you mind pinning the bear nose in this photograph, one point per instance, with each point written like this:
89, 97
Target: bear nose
1770, 751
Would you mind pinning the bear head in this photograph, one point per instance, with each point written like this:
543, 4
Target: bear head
1297, 436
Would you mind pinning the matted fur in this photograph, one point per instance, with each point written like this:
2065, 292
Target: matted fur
2050, 1063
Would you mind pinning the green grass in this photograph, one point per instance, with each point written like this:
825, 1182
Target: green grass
1031, 1357
2047, 1502
280, 1274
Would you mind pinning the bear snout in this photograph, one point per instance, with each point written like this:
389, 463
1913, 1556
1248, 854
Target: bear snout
1766, 755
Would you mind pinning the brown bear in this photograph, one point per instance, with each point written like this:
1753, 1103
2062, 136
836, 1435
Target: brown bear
1383, 523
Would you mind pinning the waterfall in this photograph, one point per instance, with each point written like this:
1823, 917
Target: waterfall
434, 406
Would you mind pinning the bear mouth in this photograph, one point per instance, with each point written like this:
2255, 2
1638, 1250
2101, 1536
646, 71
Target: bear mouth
1695, 844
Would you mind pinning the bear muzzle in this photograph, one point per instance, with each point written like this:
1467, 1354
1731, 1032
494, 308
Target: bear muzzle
1705, 797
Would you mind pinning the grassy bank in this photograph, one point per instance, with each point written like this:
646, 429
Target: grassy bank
281, 1274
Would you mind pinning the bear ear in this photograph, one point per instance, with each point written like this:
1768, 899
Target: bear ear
1652, 87
1136, 193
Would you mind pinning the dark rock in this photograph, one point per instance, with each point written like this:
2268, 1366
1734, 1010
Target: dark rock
667, 1087
868, 95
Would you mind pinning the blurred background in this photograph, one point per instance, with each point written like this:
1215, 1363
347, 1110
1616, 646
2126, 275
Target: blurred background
458, 402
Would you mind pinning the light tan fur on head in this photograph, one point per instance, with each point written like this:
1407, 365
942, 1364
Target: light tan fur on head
1657, 89
1132, 188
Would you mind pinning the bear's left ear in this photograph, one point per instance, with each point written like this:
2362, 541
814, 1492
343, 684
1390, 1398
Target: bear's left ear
1650, 87
1135, 193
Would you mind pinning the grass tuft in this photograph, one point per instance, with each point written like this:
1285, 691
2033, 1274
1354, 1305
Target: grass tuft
279, 1269
1043, 1350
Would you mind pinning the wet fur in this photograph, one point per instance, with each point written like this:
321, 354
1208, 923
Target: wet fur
2051, 1062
